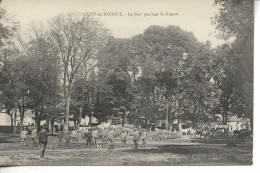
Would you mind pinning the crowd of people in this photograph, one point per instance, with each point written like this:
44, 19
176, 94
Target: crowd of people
97, 137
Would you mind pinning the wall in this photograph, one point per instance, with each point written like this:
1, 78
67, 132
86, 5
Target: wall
6, 129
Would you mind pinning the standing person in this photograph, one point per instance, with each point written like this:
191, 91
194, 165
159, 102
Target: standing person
60, 136
136, 137
34, 136
67, 139
110, 137
104, 136
123, 138
43, 136
94, 136
23, 136
74, 135
144, 137
85, 131
88, 138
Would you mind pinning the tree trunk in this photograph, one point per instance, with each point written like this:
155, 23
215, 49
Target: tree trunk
225, 110
67, 111
12, 120
22, 116
21, 122
66, 95
75, 121
38, 125
61, 124
52, 126
90, 117
194, 117
48, 124
15, 115
11, 116
167, 117
171, 120
78, 122
37, 121
80, 115
251, 123
123, 119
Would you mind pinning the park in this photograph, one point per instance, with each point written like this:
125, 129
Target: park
73, 92
179, 151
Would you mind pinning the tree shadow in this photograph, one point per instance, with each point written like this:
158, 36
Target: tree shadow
8, 139
219, 141
175, 149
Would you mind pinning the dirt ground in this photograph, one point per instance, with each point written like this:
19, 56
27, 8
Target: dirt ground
180, 151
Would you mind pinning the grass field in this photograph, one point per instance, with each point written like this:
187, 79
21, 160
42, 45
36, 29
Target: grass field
180, 151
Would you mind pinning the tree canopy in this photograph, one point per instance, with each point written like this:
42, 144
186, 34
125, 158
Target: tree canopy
71, 66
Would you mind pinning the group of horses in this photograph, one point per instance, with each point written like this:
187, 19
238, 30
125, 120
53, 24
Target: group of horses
193, 133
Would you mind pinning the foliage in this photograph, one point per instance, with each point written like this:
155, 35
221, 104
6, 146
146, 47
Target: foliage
236, 19
165, 73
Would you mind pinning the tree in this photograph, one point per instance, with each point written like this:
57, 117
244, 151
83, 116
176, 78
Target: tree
6, 100
44, 80
14, 74
8, 27
164, 55
236, 20
42, 84
114, 65
78, 40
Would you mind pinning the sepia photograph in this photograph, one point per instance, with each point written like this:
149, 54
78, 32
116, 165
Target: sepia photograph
126, 83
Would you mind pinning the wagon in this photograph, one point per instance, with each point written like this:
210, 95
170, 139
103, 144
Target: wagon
219, 133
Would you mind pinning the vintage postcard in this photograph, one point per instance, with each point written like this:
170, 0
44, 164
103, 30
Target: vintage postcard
126, 83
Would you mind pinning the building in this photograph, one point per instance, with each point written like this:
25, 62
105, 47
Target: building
5, 119
236, 123
233, 123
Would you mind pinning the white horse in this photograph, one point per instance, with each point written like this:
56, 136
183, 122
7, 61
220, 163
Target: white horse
185, 131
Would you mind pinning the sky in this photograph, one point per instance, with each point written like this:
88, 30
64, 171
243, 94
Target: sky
193, 15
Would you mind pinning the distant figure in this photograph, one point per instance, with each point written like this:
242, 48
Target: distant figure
43, 136
144, 137
56, 127
123, 138
67, 139
29, 129
136, 137
23, 136
94, 136
85, 131
104, 136
60, 136
110, 137
74, 135
34, 136
88, 137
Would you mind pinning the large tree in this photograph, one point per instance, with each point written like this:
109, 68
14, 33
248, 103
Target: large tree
170, 59
43, 82
8, 27
13, 77
78, 39
236, 20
